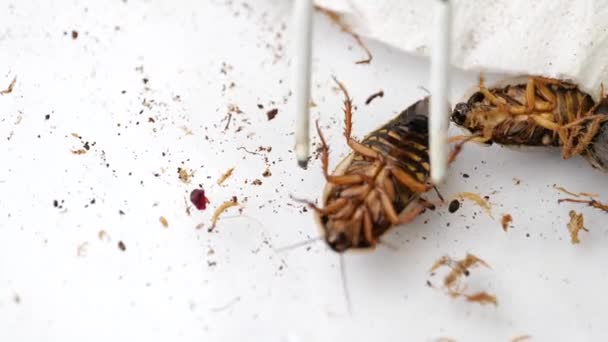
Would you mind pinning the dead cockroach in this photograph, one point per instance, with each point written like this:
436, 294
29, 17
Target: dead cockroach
539, 112
379, 184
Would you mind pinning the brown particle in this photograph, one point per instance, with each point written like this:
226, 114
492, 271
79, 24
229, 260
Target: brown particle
163, 221
521, 338
482, 298
575, 225
74, 34
16, 298
225, 176
81, 250
271, 114
199, 226
121, 246
256, 182
482, 202
10, 87
103, 235
216, 215
79, 151
506, 221
267, 173
183, 175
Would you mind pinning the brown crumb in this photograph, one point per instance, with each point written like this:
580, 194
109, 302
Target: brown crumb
122, 246
482, 202
482, 298
183, 175
225, 176
187, 130
79, 151
521, 338
575, 225
216, 215
373, 96
200, 226
267, 173
445, 339
81, 251
103, 235
74, 34
271, 114
256, 182
163, 221
506, 221
76, 135
10, 87
516, 180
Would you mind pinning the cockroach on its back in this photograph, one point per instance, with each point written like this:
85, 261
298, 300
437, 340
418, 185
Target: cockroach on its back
378, 185
540, 112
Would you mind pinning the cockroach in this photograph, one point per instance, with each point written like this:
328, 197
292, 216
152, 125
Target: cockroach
539, 112
380, 183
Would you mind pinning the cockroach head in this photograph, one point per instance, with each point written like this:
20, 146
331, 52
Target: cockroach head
460, 113
339, 241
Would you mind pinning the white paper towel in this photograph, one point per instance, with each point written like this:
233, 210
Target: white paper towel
554, 38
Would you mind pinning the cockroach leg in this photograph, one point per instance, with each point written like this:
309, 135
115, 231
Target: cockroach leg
407, 180
348, 110
308, 204
338, 180
356, 191
410, 215
362, 149
368, 227
387, 206
458, 148
546, 93
438, 194
546, 123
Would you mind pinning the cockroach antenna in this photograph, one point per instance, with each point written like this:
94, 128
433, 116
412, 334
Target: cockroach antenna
298, 244
345, 285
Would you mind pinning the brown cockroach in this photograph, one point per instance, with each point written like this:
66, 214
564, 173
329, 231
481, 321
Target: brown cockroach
539, 112
380, 183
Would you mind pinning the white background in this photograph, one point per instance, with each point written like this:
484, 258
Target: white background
167, 284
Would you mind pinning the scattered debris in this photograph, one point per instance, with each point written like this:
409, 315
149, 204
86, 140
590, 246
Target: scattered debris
458, 269
216, 215
198, 198
256, 182
122, 246
103, 235
482, 298
183, 175
79, 151
271, 114
225, 176
482, 202
506, 221
163, 221
373, 96
81, 251
10, 87
575, 225
454, 205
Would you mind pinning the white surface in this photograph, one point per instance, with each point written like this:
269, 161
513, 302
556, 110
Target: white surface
162, 287
553, 38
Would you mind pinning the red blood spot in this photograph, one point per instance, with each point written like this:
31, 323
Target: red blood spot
197, 197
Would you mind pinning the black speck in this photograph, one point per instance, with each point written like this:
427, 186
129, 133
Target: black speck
121, 212
121, 246
454, 205
145, 80
55, 203
465, 175
527, 235
48, 116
